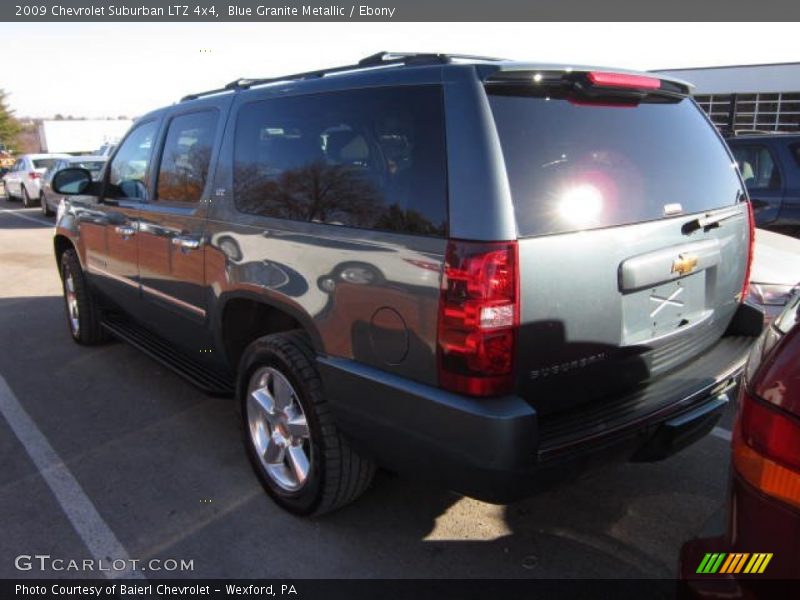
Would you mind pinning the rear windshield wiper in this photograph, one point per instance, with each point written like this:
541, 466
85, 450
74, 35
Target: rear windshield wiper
709, 221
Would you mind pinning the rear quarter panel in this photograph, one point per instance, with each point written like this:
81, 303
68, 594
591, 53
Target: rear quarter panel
365, 295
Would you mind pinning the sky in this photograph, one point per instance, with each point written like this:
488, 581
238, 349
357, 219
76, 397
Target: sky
112, 69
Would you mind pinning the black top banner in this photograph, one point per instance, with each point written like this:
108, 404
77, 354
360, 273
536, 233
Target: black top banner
400, 10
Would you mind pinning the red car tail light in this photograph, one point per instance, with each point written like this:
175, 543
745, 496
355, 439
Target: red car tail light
479, 317
766, 438
34, 175
752, 242
623, 80
766, 451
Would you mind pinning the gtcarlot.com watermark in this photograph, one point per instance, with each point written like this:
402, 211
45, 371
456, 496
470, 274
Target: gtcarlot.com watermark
45, 562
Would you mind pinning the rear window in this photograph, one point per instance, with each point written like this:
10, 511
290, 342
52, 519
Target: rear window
574, 166
757, 166
44, 163
90, 165
371, 158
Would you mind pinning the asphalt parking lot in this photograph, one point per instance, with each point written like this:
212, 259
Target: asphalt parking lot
162, 467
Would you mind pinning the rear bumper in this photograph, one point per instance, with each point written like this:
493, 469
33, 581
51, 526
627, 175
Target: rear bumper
499, 449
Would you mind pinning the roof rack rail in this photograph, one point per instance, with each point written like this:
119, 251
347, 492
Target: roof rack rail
380, 59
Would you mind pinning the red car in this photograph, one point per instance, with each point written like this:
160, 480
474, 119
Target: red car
762, 541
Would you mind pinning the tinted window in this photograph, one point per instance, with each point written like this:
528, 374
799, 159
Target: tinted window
93, 166
795, 148
186, 156
127, 176
53, 169
44, 163
757, 167
363, 158
577, 165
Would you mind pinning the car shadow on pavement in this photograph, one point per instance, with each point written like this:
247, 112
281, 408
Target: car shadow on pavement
595, 527
14, 218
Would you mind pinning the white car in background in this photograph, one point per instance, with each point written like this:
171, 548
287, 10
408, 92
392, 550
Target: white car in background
25, 177
105, 150
775, 272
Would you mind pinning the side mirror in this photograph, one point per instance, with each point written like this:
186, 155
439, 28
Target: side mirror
72, 182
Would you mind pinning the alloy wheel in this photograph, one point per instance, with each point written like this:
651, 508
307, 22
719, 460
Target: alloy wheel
72, 303
278, 429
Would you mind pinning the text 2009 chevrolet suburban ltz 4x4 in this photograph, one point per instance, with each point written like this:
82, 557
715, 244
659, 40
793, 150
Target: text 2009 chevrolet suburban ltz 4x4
480, 272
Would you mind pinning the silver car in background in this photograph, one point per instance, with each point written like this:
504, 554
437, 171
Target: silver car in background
24, 179
775, 273
48, 199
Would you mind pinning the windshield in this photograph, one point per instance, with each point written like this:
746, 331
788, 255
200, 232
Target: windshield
578, 165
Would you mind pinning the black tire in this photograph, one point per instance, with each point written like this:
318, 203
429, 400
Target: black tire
89, 331
26, 199
45, 209
337, 475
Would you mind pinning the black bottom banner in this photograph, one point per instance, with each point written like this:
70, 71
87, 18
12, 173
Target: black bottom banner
383, 589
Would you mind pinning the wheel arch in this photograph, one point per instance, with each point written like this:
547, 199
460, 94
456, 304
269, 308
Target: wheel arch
243, 317
62, 243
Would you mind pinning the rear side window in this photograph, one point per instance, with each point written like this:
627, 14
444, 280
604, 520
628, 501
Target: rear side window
574, 165
371, 158
186, 157
757, 166
44, 163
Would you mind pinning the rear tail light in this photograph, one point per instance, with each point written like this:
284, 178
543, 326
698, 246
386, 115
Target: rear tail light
478, 318
766, 439
766, 449
34, 175
623, 80
751, 222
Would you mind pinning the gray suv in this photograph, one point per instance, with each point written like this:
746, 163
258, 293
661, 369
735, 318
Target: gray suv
481, 272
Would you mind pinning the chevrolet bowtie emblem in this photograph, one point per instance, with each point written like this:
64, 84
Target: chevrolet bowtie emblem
685, 263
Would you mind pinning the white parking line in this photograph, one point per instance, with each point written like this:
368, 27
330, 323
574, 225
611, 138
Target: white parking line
16, 213
721, 433
90, 526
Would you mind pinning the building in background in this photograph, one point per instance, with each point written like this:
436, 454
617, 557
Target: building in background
80, 136
747, 97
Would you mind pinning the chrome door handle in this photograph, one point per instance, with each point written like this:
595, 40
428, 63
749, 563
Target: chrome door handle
125, 230
186, 242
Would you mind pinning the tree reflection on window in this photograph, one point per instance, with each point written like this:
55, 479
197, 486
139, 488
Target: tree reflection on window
365, 158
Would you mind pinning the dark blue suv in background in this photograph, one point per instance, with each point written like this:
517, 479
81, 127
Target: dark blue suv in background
770, 167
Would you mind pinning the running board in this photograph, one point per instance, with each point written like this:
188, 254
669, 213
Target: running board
159, 349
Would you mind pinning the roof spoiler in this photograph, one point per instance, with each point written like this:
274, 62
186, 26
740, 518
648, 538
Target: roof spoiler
588, 80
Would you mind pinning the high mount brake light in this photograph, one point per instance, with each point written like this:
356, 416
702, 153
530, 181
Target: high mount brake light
623, 80
479, 317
